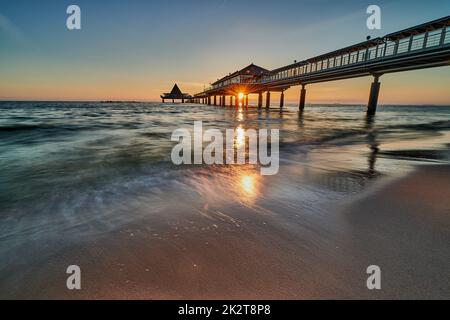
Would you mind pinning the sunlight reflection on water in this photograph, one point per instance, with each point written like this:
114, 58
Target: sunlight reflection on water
66, 165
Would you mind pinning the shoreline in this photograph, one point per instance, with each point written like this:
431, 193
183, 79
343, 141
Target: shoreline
292, 104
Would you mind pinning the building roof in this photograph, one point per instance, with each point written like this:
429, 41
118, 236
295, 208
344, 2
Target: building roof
175, 94
252, 69
176, 90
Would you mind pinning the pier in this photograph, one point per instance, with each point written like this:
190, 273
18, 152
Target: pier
423, 46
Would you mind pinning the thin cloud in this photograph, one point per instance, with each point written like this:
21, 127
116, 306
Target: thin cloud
10, 31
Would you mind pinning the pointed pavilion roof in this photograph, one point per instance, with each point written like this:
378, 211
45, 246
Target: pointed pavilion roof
176, 91
175, 94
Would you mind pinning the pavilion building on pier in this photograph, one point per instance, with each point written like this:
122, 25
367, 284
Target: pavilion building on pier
176, 94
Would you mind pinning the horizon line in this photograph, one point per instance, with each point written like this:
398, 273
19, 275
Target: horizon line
154, 101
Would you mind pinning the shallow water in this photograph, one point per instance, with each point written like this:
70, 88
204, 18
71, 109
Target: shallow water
61, 161
74, 171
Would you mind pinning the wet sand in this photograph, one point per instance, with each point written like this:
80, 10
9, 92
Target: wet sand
272, 251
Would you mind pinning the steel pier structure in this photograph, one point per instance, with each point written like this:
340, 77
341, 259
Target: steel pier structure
423, 46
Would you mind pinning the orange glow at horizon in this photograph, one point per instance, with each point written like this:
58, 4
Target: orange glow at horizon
429, 86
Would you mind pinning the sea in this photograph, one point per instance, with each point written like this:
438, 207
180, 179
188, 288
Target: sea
76, 171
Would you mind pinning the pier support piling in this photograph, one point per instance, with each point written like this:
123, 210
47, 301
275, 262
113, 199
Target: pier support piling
260, 98
268, 100
215, 100
246, 101
282, 100
301, 106
236, 102
373, 98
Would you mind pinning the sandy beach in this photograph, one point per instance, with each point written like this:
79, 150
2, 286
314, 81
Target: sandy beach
250, 253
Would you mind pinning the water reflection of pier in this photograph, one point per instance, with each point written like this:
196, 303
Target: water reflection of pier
349, 181
344, 180
373, 145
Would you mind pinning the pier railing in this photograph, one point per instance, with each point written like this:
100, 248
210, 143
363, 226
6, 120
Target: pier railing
423, 46
377, 49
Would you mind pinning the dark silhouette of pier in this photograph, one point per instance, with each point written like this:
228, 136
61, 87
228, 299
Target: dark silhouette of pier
175, 94
423, 46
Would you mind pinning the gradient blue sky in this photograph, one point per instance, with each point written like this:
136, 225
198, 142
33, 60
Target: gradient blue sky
134, 50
